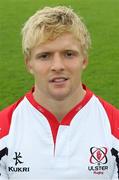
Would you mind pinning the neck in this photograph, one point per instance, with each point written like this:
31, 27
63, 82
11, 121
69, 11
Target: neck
62, 107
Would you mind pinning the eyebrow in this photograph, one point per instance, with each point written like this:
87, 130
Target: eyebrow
62, 50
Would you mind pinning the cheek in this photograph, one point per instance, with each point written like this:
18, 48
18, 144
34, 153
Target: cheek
36, 69
40, 68
76, 68
77, 73
39, 74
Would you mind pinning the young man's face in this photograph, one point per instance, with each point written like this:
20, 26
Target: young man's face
57, 67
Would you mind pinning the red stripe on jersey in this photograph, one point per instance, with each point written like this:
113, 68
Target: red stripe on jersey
113, 115
54, 123
5, 118
67, 119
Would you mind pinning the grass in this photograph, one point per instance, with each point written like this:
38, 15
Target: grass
102, 74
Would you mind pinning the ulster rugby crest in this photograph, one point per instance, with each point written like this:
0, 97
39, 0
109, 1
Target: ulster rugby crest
98, 155
98, 160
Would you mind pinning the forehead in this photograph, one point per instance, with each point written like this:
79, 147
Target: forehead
63, 42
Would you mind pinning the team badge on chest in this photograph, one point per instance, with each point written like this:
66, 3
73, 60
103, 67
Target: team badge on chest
98, 160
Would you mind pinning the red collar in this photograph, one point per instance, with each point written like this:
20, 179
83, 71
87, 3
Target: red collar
54, 123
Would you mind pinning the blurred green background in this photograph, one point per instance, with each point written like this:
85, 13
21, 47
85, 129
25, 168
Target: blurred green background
102, 20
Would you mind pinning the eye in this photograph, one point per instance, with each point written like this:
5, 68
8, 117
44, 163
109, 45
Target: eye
43, 56
69, 54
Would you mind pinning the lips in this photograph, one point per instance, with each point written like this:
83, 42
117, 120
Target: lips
58, 79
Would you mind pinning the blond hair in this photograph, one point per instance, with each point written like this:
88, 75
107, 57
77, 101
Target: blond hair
51, 22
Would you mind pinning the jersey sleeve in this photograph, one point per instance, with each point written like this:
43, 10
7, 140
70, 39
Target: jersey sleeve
115, 155
5, 122
5, 117
3, 154
3, 158
113, 116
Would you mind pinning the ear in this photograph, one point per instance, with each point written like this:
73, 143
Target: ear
28, 65
85, 63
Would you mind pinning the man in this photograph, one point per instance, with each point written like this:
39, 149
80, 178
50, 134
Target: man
60, 129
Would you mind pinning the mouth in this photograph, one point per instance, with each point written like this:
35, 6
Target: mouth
58, 80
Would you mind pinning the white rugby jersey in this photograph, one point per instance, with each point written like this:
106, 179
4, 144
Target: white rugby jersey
84, 145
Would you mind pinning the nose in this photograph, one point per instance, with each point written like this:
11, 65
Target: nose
57, 63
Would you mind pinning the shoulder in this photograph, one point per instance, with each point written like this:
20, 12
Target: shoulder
6, 116
111, 111
113, 116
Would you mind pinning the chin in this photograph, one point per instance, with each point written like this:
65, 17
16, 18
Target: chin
59, 97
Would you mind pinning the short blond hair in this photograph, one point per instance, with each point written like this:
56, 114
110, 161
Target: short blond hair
51, 22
